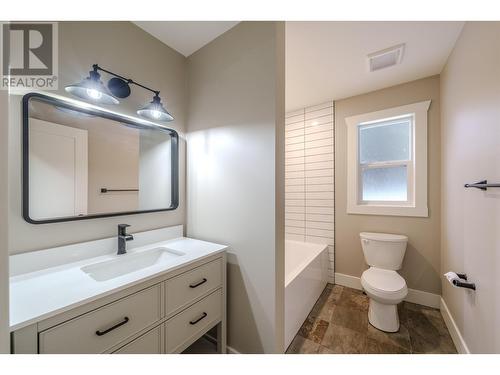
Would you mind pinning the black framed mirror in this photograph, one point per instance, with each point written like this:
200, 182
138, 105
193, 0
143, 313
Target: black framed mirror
81, 162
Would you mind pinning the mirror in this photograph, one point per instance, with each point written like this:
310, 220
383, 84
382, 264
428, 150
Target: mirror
81, 161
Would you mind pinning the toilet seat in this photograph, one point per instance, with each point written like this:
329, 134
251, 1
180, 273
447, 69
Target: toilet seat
385, 285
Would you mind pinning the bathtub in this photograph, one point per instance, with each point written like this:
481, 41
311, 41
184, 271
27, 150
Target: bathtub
306, 275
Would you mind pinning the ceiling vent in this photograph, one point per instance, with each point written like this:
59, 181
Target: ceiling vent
385, 58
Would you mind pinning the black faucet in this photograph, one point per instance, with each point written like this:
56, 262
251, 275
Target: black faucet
123, 237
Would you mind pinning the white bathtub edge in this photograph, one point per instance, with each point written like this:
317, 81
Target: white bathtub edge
289, 277
303, 290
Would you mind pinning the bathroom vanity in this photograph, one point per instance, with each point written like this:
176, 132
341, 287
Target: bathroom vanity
158, 296
162, 295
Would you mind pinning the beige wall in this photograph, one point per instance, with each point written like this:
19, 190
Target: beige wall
421, 265
118, 169
235, 142
470, 95
125, 49
4, 253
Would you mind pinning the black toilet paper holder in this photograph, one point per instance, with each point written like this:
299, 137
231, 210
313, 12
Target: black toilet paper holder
464, 284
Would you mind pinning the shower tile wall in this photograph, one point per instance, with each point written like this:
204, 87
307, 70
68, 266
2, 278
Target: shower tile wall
309, 177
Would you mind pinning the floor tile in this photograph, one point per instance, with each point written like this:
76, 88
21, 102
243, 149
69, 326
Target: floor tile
400, 338
353, 319
313, 329
428, 333
201, 346
325, 350
335, 293
323, 308
336, 288
402, 313
378, 347
307, 326
329, 287
301, 345
354, 299
318, 331
416, 307
338, 323
343, 340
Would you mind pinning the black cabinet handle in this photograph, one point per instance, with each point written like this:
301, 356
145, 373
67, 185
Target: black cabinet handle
203, 316
198, 283
101, 333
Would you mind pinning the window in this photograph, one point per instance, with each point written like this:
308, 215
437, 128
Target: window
387, 161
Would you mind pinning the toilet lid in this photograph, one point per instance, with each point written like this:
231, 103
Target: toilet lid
384, 280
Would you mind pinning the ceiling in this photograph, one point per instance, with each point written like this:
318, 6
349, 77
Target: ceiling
327, 60
186, 37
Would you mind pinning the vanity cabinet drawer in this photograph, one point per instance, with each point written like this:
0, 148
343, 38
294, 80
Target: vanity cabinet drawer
105, 327
149, 343
193, 321
185, 288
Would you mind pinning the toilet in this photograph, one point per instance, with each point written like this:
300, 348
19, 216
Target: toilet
384, 254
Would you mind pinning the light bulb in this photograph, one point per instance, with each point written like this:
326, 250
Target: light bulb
156, 114
94, 94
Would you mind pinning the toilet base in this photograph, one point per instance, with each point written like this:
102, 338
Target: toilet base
384, 317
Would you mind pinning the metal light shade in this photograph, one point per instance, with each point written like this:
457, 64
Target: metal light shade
155, 111
92, 89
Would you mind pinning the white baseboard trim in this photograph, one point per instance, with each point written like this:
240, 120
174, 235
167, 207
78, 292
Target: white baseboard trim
424, 298
348, 281
415, 296
456, 336
231, 350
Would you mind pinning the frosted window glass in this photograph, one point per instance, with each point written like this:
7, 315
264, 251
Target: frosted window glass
385, 141
385, 184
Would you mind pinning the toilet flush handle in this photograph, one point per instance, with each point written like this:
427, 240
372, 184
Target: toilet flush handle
365, 241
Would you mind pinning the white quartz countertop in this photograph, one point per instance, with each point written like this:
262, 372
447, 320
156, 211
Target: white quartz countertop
38, 295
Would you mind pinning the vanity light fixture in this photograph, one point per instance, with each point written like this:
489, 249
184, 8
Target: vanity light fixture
94, 90
155, 110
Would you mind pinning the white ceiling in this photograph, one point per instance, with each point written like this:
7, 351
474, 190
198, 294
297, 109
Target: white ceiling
186, 37
327, 60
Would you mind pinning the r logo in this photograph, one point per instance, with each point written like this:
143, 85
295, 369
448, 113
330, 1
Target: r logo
27, 49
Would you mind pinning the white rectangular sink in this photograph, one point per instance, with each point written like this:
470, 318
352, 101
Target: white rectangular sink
127, 263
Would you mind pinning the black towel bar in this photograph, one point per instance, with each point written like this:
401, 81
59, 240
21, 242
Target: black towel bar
106, 190
483, 185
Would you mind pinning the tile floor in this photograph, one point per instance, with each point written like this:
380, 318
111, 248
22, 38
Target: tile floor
338, 323
202, 346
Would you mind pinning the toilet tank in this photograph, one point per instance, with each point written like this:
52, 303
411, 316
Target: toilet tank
384, 250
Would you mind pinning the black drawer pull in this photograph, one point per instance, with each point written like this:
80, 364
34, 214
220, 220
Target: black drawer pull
203, 316
198, 283
101, 333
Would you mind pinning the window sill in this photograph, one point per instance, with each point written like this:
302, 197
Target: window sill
388, 210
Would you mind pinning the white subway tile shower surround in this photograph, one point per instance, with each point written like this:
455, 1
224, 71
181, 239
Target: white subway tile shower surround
309, 177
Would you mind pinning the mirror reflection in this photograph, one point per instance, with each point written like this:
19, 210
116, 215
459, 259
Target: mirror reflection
81, 163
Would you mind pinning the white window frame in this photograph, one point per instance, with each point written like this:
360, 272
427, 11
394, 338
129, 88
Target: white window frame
416, 205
